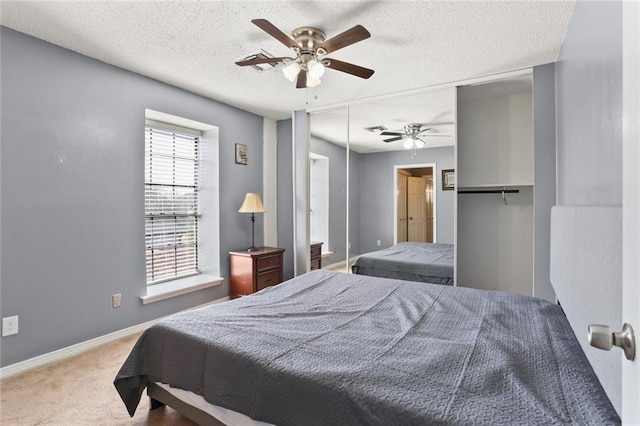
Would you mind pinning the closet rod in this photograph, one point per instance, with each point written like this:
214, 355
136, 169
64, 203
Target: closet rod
489, 191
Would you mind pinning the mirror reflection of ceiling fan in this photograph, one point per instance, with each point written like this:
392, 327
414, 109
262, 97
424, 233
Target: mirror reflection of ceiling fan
412, 135
310, 45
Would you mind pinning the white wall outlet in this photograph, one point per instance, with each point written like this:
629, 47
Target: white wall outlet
116, 300
9, 326
379, 242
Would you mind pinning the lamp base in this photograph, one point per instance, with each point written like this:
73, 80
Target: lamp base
253, 249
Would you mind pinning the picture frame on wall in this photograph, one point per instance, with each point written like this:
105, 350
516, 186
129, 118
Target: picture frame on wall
448, 180
241, 154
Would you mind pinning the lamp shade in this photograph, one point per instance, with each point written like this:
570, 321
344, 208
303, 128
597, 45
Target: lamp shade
252, 204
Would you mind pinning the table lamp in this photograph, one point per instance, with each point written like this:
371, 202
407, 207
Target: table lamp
252, 204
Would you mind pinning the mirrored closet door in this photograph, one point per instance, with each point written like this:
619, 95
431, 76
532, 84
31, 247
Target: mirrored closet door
353, 168
328, 188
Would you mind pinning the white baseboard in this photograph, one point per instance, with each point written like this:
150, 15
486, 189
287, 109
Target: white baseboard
69, 351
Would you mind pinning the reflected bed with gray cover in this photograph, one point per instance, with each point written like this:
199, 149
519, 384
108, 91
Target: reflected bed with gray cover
330, 348
423, 262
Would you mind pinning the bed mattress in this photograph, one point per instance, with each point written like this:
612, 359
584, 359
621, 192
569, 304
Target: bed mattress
331, 348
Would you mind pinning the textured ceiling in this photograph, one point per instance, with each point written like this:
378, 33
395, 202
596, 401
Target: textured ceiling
193, 45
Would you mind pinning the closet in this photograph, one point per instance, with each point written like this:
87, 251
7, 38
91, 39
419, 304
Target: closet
506, 173
495, 186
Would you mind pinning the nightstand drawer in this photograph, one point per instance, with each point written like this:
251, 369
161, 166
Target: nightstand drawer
316, 250
316, 264
269, 262
267, 279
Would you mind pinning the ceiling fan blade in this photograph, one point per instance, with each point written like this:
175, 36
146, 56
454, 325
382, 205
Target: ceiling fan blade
392, 134
423, 130
352, 69
274, 32
435, 135
302, 80
347, 38
262, 61
393, 139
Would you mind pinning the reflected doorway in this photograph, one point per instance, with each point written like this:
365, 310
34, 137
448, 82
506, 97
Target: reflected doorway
415, 204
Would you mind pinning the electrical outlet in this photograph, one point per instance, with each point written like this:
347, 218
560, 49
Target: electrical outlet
116, 300
379, 242
9, 326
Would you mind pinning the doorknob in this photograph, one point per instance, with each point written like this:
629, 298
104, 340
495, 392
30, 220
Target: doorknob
602, 338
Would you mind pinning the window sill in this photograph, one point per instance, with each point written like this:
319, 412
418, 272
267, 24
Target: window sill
158, 292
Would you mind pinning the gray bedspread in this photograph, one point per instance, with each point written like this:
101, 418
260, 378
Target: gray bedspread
338, 349
424, 262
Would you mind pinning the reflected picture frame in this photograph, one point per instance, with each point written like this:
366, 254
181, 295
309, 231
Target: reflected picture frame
241, 154
448, 180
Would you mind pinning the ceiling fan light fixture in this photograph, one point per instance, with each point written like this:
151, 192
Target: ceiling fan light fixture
408, 143
312, 81
316, 69
291, 71
419, 143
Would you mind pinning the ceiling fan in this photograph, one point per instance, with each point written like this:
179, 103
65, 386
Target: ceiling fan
412, 134
310, 45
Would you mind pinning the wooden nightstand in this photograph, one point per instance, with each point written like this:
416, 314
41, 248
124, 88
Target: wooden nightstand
252, 271
316, 255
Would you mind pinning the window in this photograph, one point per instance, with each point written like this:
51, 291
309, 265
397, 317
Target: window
171, 203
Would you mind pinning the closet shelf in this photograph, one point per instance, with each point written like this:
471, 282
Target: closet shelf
487, 188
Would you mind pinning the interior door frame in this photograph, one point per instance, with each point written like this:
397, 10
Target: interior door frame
396, 168
630, 206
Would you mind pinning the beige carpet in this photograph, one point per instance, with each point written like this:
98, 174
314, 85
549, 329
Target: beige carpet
78, 391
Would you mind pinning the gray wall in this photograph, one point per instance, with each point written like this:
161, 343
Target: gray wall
377, 195
72, 197
589, 136
589, 106
285, 193
544, 176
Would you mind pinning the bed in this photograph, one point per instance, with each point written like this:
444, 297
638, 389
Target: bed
333, 348
423, 262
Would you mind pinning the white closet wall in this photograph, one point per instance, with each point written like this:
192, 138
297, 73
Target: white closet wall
495, 151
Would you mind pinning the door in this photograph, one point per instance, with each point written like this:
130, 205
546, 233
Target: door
429, 199
416, 209
402, 206
631, 206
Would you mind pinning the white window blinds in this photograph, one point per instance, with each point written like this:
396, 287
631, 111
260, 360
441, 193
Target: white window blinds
171, 204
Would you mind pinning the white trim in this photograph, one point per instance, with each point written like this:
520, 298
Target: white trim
69, 351
270, 180
630, 204
175, 120
167, 290
469, 82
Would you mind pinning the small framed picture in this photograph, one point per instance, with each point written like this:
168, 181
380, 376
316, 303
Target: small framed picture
241, 154
448, 180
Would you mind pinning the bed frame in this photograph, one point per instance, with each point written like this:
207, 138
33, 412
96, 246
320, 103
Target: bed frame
160, 397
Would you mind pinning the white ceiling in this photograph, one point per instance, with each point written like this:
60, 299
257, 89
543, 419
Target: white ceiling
193, 44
